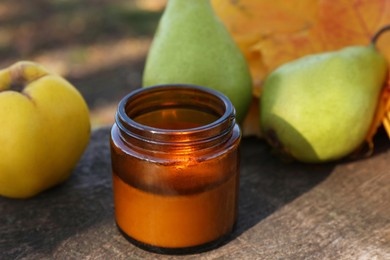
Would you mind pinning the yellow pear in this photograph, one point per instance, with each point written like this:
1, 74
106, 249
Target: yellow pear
44, 129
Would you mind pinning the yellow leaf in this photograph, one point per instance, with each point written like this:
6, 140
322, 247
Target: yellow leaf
382, 116
271, 33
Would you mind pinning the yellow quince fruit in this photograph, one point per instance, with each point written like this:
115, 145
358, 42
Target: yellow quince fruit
44, 129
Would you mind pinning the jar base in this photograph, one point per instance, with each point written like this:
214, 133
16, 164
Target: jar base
179, 251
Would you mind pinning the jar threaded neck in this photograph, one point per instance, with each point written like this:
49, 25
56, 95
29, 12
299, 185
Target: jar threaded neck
177, 116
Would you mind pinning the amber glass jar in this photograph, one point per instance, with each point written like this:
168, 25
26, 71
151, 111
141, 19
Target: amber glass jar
175, 168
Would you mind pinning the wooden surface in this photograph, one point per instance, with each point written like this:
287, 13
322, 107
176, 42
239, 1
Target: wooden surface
287, 211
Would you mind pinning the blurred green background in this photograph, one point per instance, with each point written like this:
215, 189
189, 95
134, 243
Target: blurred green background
98, 45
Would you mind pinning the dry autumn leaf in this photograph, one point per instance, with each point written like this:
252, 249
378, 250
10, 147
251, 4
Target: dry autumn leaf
271, 33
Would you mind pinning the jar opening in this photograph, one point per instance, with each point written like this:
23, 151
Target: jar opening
175, 113
176, 118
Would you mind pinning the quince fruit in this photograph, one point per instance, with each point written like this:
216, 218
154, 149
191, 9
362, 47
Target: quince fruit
44, 129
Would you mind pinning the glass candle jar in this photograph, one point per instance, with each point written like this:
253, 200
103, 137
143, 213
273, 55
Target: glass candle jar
175, 166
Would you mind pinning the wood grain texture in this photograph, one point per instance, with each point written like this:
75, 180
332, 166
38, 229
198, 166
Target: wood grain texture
287, 211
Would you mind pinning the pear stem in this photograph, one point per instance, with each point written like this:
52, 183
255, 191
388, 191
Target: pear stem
374, 39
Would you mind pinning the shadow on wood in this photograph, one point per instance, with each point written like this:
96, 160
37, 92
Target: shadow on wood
267, 183
36, 226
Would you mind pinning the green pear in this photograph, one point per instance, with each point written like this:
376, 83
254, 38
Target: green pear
192, 46
320, 107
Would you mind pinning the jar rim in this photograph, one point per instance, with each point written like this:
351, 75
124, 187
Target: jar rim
224, 122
